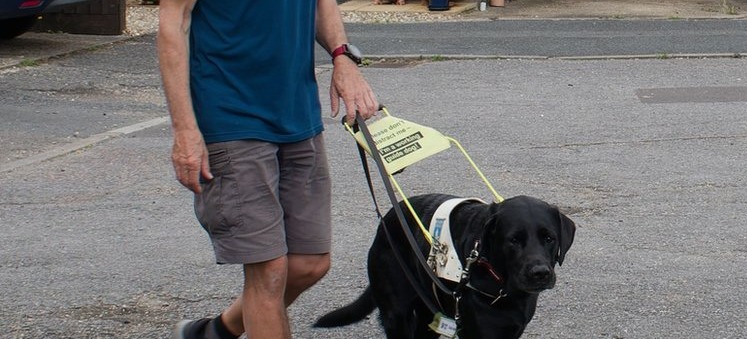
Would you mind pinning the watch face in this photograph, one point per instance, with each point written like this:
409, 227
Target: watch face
355, 51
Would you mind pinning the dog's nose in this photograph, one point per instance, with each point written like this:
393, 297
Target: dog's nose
540, 273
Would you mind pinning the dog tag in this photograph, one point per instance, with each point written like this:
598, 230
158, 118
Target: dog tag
444, 326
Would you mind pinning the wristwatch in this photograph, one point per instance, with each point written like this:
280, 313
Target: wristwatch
350, 51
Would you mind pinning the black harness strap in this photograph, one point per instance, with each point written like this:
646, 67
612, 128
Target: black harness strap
397, 255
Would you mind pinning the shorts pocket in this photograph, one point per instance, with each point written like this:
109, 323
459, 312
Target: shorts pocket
215, 206
220, 161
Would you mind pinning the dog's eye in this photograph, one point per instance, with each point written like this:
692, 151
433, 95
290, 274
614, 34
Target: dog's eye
514, 240
549, 239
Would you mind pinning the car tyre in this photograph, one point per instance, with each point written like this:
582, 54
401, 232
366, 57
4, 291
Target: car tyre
11, 28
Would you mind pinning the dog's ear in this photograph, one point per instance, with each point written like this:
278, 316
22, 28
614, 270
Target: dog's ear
491, 222
566, 232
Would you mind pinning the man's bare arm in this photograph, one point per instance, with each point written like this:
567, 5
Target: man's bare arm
347, 81
189, 154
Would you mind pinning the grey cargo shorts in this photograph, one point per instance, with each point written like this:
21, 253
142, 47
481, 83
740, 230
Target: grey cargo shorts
266, 200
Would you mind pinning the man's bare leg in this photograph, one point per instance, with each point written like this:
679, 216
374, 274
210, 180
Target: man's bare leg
303, 272
263, 299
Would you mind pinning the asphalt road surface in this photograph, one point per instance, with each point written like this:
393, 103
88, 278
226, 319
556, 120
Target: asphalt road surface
553, 38
646, 155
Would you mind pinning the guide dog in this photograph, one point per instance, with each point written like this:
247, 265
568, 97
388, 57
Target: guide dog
519, 242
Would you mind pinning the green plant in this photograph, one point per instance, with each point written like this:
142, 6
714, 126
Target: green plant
729, 9
28, 63
662, 56
438, 58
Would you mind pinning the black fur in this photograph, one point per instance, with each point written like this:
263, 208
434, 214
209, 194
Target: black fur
522, 238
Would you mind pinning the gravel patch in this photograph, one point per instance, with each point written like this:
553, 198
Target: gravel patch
398, 17
144, 19
141, 20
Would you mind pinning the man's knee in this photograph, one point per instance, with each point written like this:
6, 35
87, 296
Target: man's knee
322, 267
308, 269
267, 277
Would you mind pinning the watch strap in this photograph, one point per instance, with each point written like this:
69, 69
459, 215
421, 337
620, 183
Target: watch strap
339, 51
344, 50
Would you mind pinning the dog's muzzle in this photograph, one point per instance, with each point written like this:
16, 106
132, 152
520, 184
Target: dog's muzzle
536, 278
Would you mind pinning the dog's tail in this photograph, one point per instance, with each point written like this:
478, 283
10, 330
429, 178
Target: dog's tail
351, 313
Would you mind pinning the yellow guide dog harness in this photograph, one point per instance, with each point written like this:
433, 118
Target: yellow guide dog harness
395, 144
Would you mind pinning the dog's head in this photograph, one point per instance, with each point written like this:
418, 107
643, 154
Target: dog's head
524, 238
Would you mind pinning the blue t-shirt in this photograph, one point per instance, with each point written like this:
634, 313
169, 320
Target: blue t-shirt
252, 70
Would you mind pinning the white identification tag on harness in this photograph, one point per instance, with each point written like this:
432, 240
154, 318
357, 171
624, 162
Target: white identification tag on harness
444, 326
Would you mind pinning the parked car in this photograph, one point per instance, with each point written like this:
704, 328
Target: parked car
17, 16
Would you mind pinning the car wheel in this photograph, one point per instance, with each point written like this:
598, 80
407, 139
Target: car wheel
11, 28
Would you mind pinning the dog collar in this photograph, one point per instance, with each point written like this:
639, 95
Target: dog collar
495, 297
486, 265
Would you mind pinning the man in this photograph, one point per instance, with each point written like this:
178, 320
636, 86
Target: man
239, 80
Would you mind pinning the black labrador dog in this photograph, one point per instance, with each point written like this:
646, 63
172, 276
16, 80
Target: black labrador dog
520, 239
